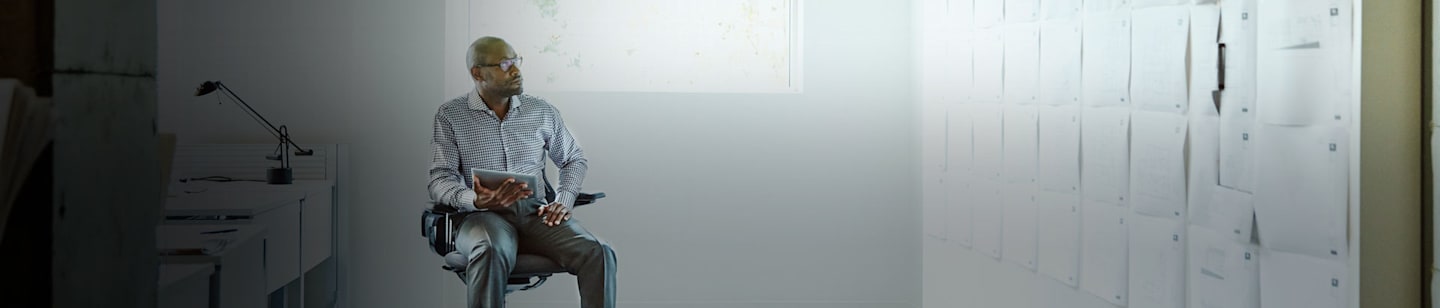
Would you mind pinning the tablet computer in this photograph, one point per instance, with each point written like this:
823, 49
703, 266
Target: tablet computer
492, 179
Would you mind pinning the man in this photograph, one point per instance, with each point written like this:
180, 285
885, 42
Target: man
497, 127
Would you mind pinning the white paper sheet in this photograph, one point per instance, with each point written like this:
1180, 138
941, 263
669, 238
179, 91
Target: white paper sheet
1022, 63
1222, 273
989, 13
1158, 63
1107, 6
1139, 4
1157, 163
961, 14
1060, 9
1059, 235
1021, 11
1230, 212
1204, 59
1302, 190
1020, 229
1303, 77
1106, 59
989, 214
1105, 155
1238, 32
1059, 157
1021, 145
932, 50
1296, 280
958, 212
933, 168
960, 141
1060, 62
1204, 160
1104, 246
1237, 142
1157, 262
989, 66
956, 75
989, 148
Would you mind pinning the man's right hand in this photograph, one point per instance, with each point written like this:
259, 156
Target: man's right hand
503, 196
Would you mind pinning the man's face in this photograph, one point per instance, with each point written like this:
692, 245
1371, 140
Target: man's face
499, 72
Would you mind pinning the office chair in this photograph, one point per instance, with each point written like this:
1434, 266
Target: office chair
438, 223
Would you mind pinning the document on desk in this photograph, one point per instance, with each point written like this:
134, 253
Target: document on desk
1157, 163
1106, 58
989, 146
1303, 77
1204, 59
960, 143
1105, 154
1060, 10
1059, 235
1157, 261
989, 13
1059, 157
1204, 159
1297, 280
1021, 11
1019, 232
1060, 62
932, 167
989, 65
1158, 66
1021, 143
989, 212
1302, 190
959, 213
1022, 63
1104, 246
1237, 142
1223, 273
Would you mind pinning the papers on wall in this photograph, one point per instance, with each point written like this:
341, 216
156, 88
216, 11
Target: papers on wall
1105, 155
1297, 280
1022, 63
958, 213
1021, 125
1157, 163
1237, 142
1303, 77
1021, 10
989, 13
1158, 66
1139, 4
989, 66
1204, 160
1302, 188
1059, 157
960, 142
1106, 6
933, 168
1059, 235
1060, 62
1157, 262
989, 210
1106, 59
1204, 59
1238, 32
1060, 9
989, 148
1223, 273
1230, 212
1020, 225
1103, 251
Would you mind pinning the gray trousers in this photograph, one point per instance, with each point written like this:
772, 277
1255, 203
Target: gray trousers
491, 240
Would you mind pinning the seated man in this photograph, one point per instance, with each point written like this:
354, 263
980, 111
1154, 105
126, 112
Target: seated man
496, 127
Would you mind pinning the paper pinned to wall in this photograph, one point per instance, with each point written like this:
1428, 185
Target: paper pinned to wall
1104, 246
1223, 273
1237, 142
1022, 11
1106, 59
1107, 6
989, 147
1238, 32
1059, 157
960, 141
1204, 158
1022, 63
1105, 155
1139, 4
989, 213
1157, 163
989, 13
1302, 190
1158, 66
1021, 144
958, 213
1059, 235
989, 66
1229, 211
1157, 262
959, 67
932, 168
1204, 59
1296, 280
1303, 76
1060, 9
1060, 62
961, 14
1019, 232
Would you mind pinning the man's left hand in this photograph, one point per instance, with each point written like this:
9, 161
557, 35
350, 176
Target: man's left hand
554, 213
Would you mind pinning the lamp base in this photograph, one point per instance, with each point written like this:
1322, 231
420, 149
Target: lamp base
280, 176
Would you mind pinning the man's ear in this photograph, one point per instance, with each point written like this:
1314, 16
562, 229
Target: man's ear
475, 74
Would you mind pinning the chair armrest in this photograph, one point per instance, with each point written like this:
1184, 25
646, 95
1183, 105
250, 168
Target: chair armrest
588, 198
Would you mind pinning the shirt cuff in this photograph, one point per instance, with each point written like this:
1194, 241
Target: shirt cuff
566, 198
466, 200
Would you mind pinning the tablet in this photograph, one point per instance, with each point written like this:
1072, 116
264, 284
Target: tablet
492, 179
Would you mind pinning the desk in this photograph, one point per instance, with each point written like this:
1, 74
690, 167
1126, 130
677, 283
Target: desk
185, 285
238, 278
277, 211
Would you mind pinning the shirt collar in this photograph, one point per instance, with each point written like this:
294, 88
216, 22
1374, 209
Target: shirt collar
475, 102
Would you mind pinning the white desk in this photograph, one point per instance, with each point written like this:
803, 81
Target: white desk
238, 268
277, 211
185, 285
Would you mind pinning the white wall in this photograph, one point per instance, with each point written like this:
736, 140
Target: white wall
734, 200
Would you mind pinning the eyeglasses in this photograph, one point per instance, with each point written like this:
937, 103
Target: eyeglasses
506, 64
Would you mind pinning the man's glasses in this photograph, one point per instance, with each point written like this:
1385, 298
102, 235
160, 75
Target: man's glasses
506, 64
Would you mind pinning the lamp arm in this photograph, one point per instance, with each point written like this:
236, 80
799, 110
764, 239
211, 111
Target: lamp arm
284, 137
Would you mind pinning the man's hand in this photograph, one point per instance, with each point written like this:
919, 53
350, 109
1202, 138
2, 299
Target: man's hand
554, 213
503, 196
